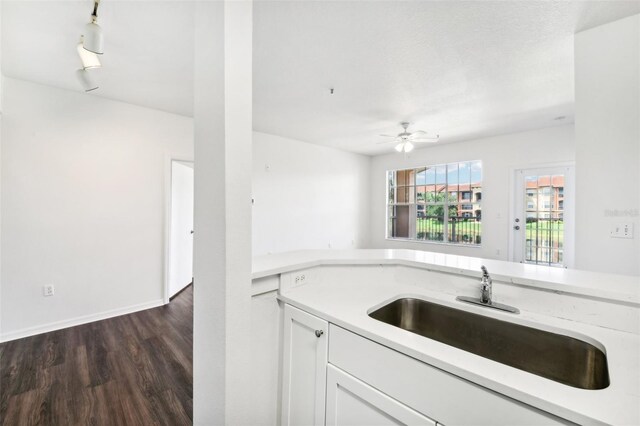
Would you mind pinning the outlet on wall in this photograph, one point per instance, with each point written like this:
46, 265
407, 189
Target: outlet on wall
48, 290
300, 279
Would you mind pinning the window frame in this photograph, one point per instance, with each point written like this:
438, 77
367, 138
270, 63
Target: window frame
446, 203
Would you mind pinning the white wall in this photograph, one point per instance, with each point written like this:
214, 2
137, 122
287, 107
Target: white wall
499, 155
82, 205
1, 98
308, 196
607, 61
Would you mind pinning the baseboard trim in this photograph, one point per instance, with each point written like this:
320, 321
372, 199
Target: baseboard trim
180, 291
59, 325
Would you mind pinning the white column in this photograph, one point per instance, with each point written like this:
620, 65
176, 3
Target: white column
222, 216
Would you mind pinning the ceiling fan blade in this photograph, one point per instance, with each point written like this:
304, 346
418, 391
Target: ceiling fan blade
424, 140
418, 132
414, 137
379, 143
389, 136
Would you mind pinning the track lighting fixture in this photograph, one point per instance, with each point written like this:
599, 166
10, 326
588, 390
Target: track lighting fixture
89, 59
93, 39
86, 80
90, 46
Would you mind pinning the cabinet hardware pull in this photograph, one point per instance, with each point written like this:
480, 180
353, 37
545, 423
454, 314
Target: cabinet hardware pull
319, 333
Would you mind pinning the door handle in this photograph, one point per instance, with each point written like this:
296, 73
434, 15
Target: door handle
191, 232
319, 333
517, 227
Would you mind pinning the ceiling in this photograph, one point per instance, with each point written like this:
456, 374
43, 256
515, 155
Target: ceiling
461, 69
148, 47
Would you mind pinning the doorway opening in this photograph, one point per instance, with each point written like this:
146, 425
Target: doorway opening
180, 218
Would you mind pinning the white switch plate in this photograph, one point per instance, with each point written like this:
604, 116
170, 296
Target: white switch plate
622, 230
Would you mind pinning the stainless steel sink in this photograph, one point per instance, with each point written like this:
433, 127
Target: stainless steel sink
554, 356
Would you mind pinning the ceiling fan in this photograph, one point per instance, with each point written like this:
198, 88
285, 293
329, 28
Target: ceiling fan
406, 139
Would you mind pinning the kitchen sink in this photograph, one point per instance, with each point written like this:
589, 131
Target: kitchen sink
557, 357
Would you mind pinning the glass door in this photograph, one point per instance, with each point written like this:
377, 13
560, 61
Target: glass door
543, 212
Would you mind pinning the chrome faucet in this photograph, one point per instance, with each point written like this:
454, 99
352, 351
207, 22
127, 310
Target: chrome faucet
486, 284
486, 296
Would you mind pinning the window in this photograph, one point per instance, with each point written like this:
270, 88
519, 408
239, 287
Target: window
440, 203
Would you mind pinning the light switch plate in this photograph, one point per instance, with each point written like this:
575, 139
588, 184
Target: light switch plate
622, 230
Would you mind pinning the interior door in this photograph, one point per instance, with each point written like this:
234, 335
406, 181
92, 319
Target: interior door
542, 220
181, 236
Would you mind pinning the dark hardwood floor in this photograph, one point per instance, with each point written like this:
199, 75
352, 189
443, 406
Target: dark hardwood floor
135, 369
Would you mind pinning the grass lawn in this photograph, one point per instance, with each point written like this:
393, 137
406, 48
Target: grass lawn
470, 227
546, 229
543, 229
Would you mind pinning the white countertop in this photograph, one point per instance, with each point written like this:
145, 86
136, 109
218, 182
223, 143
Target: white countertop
347, 306
621, 288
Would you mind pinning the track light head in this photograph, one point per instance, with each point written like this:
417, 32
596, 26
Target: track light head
93, 39
86, 80
89, 59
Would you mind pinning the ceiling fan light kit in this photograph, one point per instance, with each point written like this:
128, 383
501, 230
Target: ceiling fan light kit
91, 45
406, 140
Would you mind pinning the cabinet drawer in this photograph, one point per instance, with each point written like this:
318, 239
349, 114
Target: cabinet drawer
354, 403
436, 394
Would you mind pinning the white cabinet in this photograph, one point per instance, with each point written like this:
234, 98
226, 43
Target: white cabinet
304, 376
354, 403
357, 381
426, 389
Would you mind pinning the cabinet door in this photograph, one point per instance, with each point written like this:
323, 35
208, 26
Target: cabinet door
352, 402
304, 368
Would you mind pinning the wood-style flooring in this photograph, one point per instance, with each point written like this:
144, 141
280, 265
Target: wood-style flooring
134, 369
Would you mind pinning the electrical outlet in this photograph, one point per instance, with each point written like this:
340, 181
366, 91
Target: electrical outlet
48, 290
300, 279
